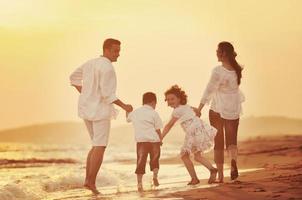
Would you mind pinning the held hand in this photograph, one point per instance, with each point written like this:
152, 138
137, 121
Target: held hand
128, 108
197, 112
161, 140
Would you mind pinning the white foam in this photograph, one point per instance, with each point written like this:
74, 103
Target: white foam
62, 183
73, 181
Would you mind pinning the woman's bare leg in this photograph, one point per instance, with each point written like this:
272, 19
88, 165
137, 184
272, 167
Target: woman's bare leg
220, 172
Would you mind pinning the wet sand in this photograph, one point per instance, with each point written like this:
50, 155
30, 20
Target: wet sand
280, 177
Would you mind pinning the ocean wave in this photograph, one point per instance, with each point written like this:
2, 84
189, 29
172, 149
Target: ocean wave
13, 163
74, 181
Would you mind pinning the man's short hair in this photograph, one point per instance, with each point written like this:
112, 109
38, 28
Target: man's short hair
149, 97
109, 42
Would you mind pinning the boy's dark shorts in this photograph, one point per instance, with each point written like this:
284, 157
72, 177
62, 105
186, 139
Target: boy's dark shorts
143, 149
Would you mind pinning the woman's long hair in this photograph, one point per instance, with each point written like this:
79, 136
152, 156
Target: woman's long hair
228, 49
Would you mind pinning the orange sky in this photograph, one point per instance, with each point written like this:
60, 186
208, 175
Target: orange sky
163, 43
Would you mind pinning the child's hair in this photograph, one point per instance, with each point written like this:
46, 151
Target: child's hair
149, 97
179, 93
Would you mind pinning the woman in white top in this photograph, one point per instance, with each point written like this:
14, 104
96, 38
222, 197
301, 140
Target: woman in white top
225, 97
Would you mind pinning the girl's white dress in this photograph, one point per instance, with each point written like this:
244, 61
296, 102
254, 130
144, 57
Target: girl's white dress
199, 135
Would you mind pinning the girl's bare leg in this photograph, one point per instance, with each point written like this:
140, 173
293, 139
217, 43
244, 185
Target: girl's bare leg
205, 162
190, 167
202, 160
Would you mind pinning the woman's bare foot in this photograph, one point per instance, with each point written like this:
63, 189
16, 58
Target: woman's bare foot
220, 176
234, 170
213, 175
194, 181
219, 181
92, 188
155, 182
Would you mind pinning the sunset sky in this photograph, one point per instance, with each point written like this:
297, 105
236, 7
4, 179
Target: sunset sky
163, 43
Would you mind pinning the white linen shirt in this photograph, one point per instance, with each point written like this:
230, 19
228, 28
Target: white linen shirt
145, 121
98, 80
223, 93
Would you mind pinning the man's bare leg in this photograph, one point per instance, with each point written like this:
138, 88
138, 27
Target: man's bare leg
96, 160
88, 166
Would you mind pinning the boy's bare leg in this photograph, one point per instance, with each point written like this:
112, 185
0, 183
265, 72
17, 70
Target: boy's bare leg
154, 162
88, 166
140, 182
155, 174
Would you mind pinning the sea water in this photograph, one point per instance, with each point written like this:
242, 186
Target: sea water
32, 171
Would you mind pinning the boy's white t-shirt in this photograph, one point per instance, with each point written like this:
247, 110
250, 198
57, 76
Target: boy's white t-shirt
145, 121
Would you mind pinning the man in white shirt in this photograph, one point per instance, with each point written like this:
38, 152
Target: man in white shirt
147, 125
96, 82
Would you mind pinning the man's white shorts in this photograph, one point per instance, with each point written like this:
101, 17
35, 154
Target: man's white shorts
98, 131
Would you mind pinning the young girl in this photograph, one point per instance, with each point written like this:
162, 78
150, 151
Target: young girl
199, 135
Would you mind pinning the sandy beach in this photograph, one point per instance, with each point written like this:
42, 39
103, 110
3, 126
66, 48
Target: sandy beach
280, 176
270, 167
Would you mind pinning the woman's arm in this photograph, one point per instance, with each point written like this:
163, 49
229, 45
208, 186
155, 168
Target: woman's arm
200, 107
211, 88
168, 126
197, 111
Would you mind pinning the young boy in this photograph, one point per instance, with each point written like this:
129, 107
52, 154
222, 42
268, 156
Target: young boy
147, 125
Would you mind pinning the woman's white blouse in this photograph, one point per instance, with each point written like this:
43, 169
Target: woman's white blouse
98, 80
223, 93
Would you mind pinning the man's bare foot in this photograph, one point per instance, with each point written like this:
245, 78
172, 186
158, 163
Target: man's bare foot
155, 182
92, 188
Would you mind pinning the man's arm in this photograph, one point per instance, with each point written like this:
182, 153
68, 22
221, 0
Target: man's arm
127, 107
108, 87
76, 78
78, 87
